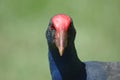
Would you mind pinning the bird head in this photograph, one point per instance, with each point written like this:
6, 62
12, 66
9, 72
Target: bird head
60, 32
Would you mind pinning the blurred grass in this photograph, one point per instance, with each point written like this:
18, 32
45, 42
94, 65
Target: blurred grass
23, 47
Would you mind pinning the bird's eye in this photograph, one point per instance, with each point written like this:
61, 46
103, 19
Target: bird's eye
52, 27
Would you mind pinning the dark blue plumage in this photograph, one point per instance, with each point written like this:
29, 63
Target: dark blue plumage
67, 67
54, 70
63, 59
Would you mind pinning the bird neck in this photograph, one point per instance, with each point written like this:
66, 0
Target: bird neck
68, 65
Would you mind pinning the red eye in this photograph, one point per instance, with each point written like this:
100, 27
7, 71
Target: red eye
52, 27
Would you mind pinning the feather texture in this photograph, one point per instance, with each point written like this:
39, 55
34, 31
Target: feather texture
69, 66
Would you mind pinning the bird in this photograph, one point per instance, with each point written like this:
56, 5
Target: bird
64, 62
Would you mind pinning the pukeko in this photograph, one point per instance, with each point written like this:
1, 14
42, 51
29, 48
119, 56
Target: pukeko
63, 59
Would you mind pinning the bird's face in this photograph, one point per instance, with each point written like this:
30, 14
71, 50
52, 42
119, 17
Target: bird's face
60, 32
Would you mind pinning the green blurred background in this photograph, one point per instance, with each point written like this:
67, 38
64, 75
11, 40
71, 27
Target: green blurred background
23, 47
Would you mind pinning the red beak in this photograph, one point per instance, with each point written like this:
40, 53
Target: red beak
61, 41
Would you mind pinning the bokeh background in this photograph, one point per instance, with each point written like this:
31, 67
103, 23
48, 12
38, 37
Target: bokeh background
23, 47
